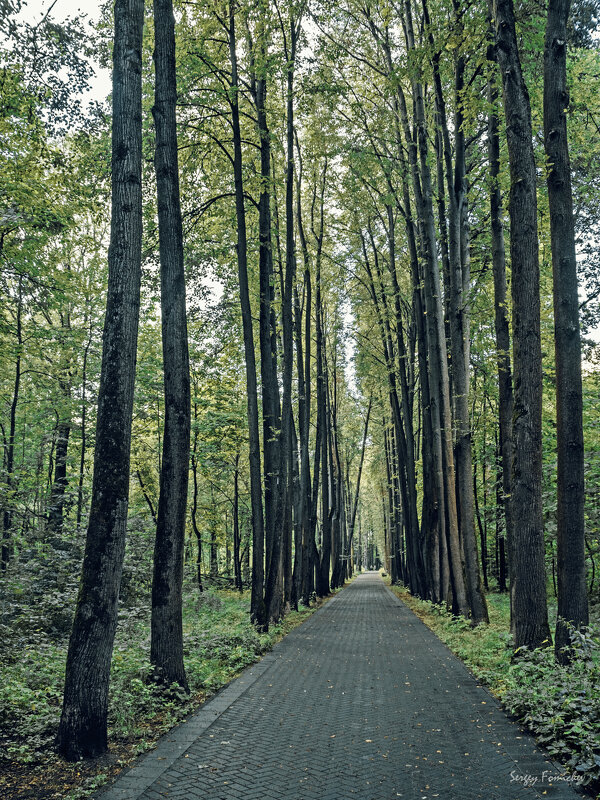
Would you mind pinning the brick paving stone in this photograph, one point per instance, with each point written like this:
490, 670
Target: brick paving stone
361, 701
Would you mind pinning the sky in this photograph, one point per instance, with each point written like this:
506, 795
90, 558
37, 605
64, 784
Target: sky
34, 10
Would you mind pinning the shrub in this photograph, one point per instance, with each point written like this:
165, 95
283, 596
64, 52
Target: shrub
561, 704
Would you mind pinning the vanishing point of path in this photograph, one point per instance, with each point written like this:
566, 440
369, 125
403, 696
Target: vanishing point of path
361, 701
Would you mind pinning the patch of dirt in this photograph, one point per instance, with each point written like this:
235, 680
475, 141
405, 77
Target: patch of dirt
53, 778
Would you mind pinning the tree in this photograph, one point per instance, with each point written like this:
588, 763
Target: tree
82, 732
527, 552
572, 588
501, 322
258, 609
166, 647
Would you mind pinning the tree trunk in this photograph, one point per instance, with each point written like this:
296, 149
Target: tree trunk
457, 274
283, 540
297, 522
482, 530
82, 732
325, 557
572, 589
527, 567
83, 425
358, 478
406, 437
258, 612
505, 387
214, 561
166, 640
237, 565
392, 498
59, 484
194, 511
273, 497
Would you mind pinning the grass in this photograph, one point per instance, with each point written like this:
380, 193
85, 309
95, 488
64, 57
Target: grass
219, 643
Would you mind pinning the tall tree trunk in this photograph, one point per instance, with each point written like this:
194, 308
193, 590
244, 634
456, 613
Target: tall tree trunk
458, 308
194, 512
528, 572
166, 638
457, 274
273, 498
572, 589
358, 478
482, 529
441, 471
214, 561
334, 497
284, 500
303, 369
390, 517
258, 611
432, 542
325, 556
82, 732
409, 511
297, 523
505, 387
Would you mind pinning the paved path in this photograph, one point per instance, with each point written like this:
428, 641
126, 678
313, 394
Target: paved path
361, 701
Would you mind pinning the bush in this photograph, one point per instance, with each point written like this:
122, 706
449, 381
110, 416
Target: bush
561, 704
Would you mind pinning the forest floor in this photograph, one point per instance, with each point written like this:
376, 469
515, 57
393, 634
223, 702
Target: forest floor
219, 643
361, 701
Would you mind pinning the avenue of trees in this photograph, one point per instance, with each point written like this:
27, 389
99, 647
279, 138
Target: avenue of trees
315, 292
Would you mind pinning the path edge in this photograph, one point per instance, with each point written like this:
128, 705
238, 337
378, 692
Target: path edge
560, 768
132, 782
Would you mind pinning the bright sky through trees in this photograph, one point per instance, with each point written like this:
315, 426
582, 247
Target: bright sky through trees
34, 11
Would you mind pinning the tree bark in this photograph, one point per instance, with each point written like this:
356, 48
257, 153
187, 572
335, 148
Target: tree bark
528, 572
458, 310
303, 360
358, 478
237, 564
502, 329
325, 556
56, 509
258, 611
572, 588
273, 497
83, 452
166, 638
193, 513
82, 732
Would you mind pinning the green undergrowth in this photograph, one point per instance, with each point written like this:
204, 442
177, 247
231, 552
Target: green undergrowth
219, 642
559, 704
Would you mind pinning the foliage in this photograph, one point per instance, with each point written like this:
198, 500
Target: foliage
561, 704
219, 643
